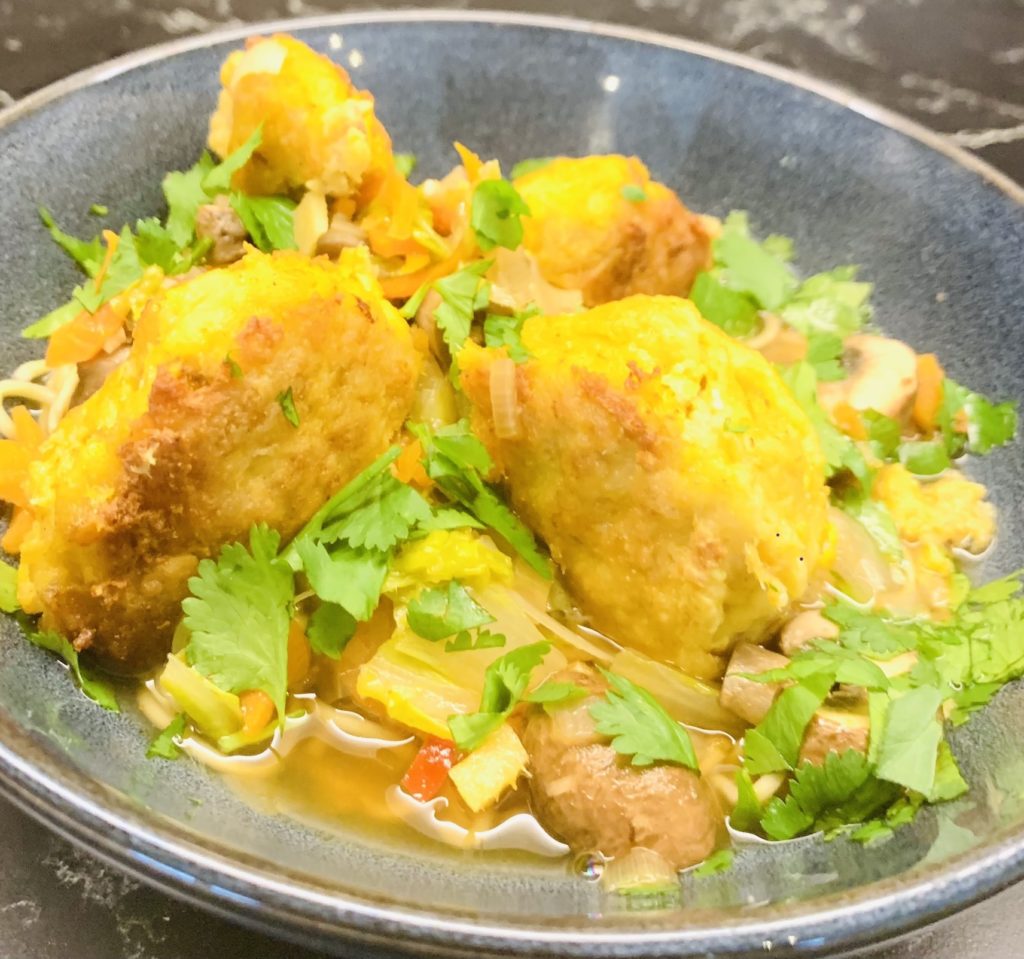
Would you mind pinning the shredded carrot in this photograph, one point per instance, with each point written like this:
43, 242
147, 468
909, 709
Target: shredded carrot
928, 398
27, 430
849, 421
257, 710
409, 469
17, 530
470, 161
84, 336
15, 459
112, 241
298, 653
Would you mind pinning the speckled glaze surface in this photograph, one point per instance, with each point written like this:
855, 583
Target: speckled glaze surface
942, 238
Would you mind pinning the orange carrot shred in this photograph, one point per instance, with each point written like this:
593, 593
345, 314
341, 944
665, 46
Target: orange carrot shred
928, 398
17, 530
849, 421
257, 710
112, 241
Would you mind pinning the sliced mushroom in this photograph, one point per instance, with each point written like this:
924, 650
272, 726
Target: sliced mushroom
834, 731
882, 376
803, 628
340, 235
217, 221
748, 698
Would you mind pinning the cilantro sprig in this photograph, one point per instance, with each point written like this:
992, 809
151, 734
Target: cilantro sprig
238, 615
505, 683
639, 726
495, 215
457, 461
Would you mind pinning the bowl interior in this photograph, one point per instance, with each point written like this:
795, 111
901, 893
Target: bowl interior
943, 246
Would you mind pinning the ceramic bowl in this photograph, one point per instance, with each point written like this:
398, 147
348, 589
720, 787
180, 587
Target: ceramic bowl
939, 233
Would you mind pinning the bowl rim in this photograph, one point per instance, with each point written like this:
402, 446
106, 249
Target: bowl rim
236, 886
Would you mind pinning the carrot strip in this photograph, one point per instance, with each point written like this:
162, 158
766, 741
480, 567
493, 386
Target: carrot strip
112, 241
470, 161
409, 469
257, 710
928, 398
84, 336
849, 421
299, 653
17, 530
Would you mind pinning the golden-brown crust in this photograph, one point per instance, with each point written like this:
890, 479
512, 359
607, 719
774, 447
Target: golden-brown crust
210, 455
677, 484
587, 235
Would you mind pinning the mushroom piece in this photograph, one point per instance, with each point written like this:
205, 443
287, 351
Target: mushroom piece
594, 799
217, 221
340, 235
748, 698
834, 731
803, 628
882, 376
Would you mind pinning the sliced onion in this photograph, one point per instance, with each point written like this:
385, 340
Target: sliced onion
862, 570
504, 400
639, 870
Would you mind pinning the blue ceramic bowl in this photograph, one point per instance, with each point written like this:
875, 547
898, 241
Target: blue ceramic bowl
940, 234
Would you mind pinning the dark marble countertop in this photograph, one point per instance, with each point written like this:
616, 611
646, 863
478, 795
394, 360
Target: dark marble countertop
955, 66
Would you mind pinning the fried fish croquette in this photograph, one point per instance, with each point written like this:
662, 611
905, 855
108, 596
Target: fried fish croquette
319, 131
678, 484
600, 224
251, 394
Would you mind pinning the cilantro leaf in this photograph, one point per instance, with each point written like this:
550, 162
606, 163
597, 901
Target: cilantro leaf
840, 792
348, 576
884, 434
163, 745
910, 741
53, 320
735, 312
746, 814
528, 166
218, 179
385, 516
832, 302
506, 331
717, 862
269, 220
239, 613
824, 353
774, 744
495, 215
924, 457
633, 193
155, 245
454, 459
88, 254
640, 727
551, 693
442, 612
841, 453
185, 194
747, 267
287, 403
405, 163
9, 588
98, 690
124, 269
949, 781
505, 682
462, 294
988, 424
330, 628
484, 639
